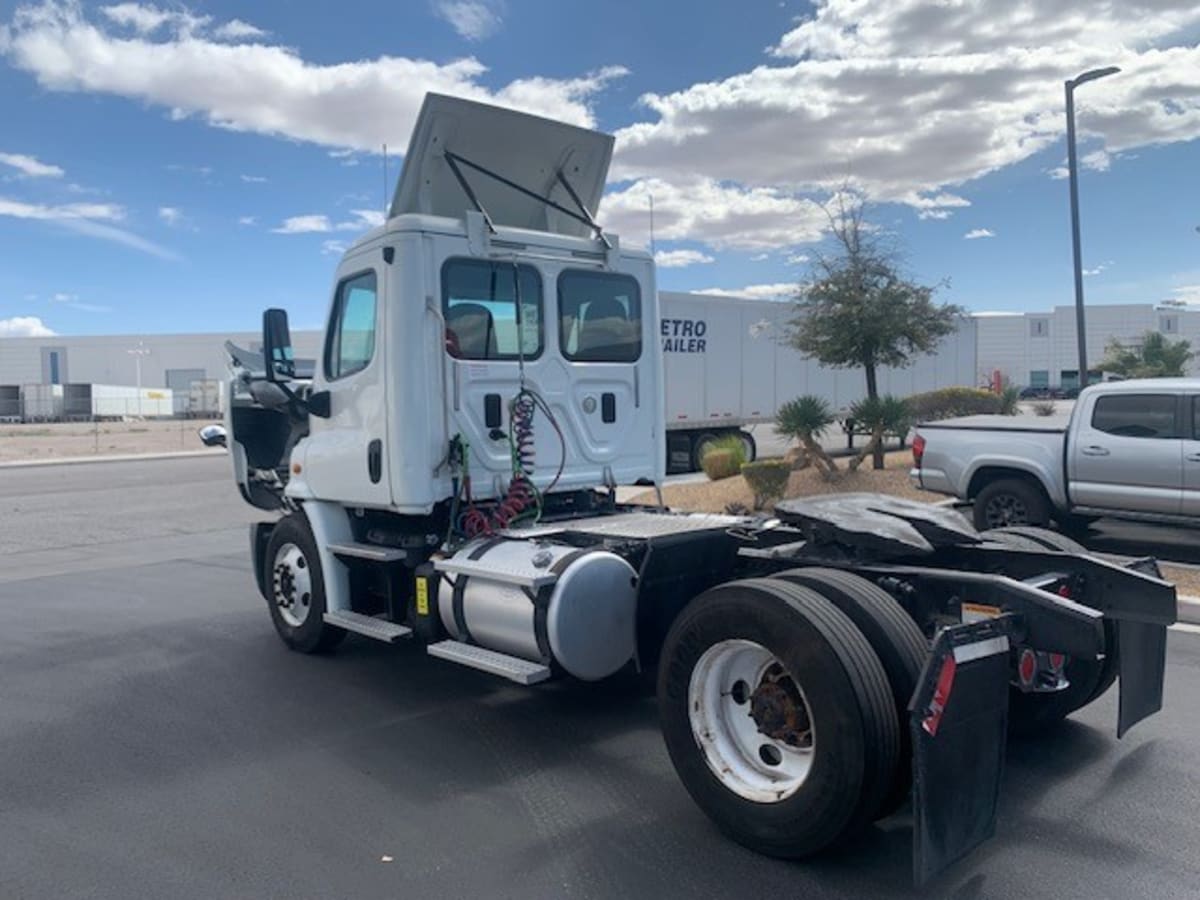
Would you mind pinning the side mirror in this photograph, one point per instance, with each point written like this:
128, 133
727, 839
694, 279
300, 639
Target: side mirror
213, 436
277, 346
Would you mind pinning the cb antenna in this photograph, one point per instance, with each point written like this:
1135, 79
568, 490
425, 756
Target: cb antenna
385, 182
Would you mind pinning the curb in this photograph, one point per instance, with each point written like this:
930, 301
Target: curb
124, 457
1189, 609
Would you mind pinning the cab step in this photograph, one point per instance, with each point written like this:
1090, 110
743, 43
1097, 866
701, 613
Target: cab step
372, 552
368, 626
522, 671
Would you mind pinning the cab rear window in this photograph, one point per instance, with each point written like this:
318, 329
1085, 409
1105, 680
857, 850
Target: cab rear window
599, 317
479, 301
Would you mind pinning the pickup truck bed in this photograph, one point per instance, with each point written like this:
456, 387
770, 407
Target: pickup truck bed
1129, 449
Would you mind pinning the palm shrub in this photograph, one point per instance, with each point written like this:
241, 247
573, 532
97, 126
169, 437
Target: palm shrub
804, 419
883, 415
1010, 397
951, 402
768, 479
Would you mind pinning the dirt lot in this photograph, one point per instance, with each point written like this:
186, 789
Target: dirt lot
715, 496
60, 440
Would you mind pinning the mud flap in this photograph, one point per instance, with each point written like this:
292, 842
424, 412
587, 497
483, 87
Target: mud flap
1143, 661
959, 721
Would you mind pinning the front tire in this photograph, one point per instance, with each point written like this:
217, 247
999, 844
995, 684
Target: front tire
296, 588
1010, 501
777, 716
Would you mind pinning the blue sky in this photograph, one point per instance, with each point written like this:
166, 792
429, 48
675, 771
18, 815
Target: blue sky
178, 168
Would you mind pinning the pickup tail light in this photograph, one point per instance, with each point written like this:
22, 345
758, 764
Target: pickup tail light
918, 448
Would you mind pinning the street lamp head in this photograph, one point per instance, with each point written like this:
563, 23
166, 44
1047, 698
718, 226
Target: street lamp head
1093, 75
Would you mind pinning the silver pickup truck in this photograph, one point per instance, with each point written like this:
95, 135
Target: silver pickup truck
1129, 449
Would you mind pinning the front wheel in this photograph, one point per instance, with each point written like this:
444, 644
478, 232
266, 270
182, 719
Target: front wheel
777, 716
296, 588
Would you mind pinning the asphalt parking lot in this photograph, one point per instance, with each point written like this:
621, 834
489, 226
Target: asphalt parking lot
157, 741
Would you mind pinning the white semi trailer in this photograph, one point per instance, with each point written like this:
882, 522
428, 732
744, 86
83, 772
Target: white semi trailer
491, 372
728, 367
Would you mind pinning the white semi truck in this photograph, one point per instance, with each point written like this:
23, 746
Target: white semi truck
446, 477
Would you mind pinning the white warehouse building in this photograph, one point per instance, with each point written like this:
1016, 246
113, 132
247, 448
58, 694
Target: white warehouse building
1028, 349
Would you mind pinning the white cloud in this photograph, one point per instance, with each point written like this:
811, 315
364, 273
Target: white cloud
170, 214
236, 30
721, 216
780, 290
976, 233
147, 18
1097, 161
18, 209
316, 223
338, 247
253, 179
30, 166
247, 220
472, 19
62, 297
262, 88
797, 259
1102, 267
73, 301
304, 225
679, 259
911, 98
105, 232
24, 326
1059, 172
760, 257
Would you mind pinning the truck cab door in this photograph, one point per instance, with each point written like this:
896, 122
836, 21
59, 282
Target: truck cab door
1191, 457
344, 455
1127, 453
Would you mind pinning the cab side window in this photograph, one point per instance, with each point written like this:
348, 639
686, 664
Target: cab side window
1150, 416
351, 341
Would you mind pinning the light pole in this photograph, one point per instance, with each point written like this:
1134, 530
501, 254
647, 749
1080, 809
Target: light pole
1073, 168
137, 353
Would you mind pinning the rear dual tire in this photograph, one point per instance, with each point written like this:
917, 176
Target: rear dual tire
790, 658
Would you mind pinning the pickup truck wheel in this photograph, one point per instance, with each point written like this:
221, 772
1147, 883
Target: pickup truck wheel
893, 635
296, 588
777, 716
1010, 501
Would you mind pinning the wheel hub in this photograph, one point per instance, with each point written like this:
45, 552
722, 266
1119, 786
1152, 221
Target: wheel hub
292, 585
779, 711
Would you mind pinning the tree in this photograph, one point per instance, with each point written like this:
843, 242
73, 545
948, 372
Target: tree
1154, 357
858, 311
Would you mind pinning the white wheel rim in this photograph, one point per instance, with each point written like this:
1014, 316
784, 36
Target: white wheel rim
291, 581
731, 679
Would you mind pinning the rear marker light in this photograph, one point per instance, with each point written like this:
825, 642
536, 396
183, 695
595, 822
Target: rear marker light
1027, 667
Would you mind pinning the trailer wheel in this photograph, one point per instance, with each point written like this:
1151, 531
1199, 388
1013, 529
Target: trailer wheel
1010, 501
700, 446
777, 716
296, 588
1030, 714
749, 445
893, 635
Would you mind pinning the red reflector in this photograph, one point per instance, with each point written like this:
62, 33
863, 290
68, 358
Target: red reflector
1027, 668
1057, 661
918, 450
1064, 591
941, 695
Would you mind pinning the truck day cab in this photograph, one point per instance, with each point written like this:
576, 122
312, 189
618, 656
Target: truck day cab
1129, 450
447, 477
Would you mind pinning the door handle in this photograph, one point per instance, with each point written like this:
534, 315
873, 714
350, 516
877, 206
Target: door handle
1193, 457
1093, 450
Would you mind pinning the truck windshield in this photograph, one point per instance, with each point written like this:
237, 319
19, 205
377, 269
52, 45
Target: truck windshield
599, 317
480, 306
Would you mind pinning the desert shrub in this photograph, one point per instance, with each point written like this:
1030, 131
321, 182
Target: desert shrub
1044, 408
882, 415
1010, 398
948, 403
768, 479
804, 419
729, 443
718, 464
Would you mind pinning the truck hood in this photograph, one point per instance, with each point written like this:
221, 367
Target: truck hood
525, 149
